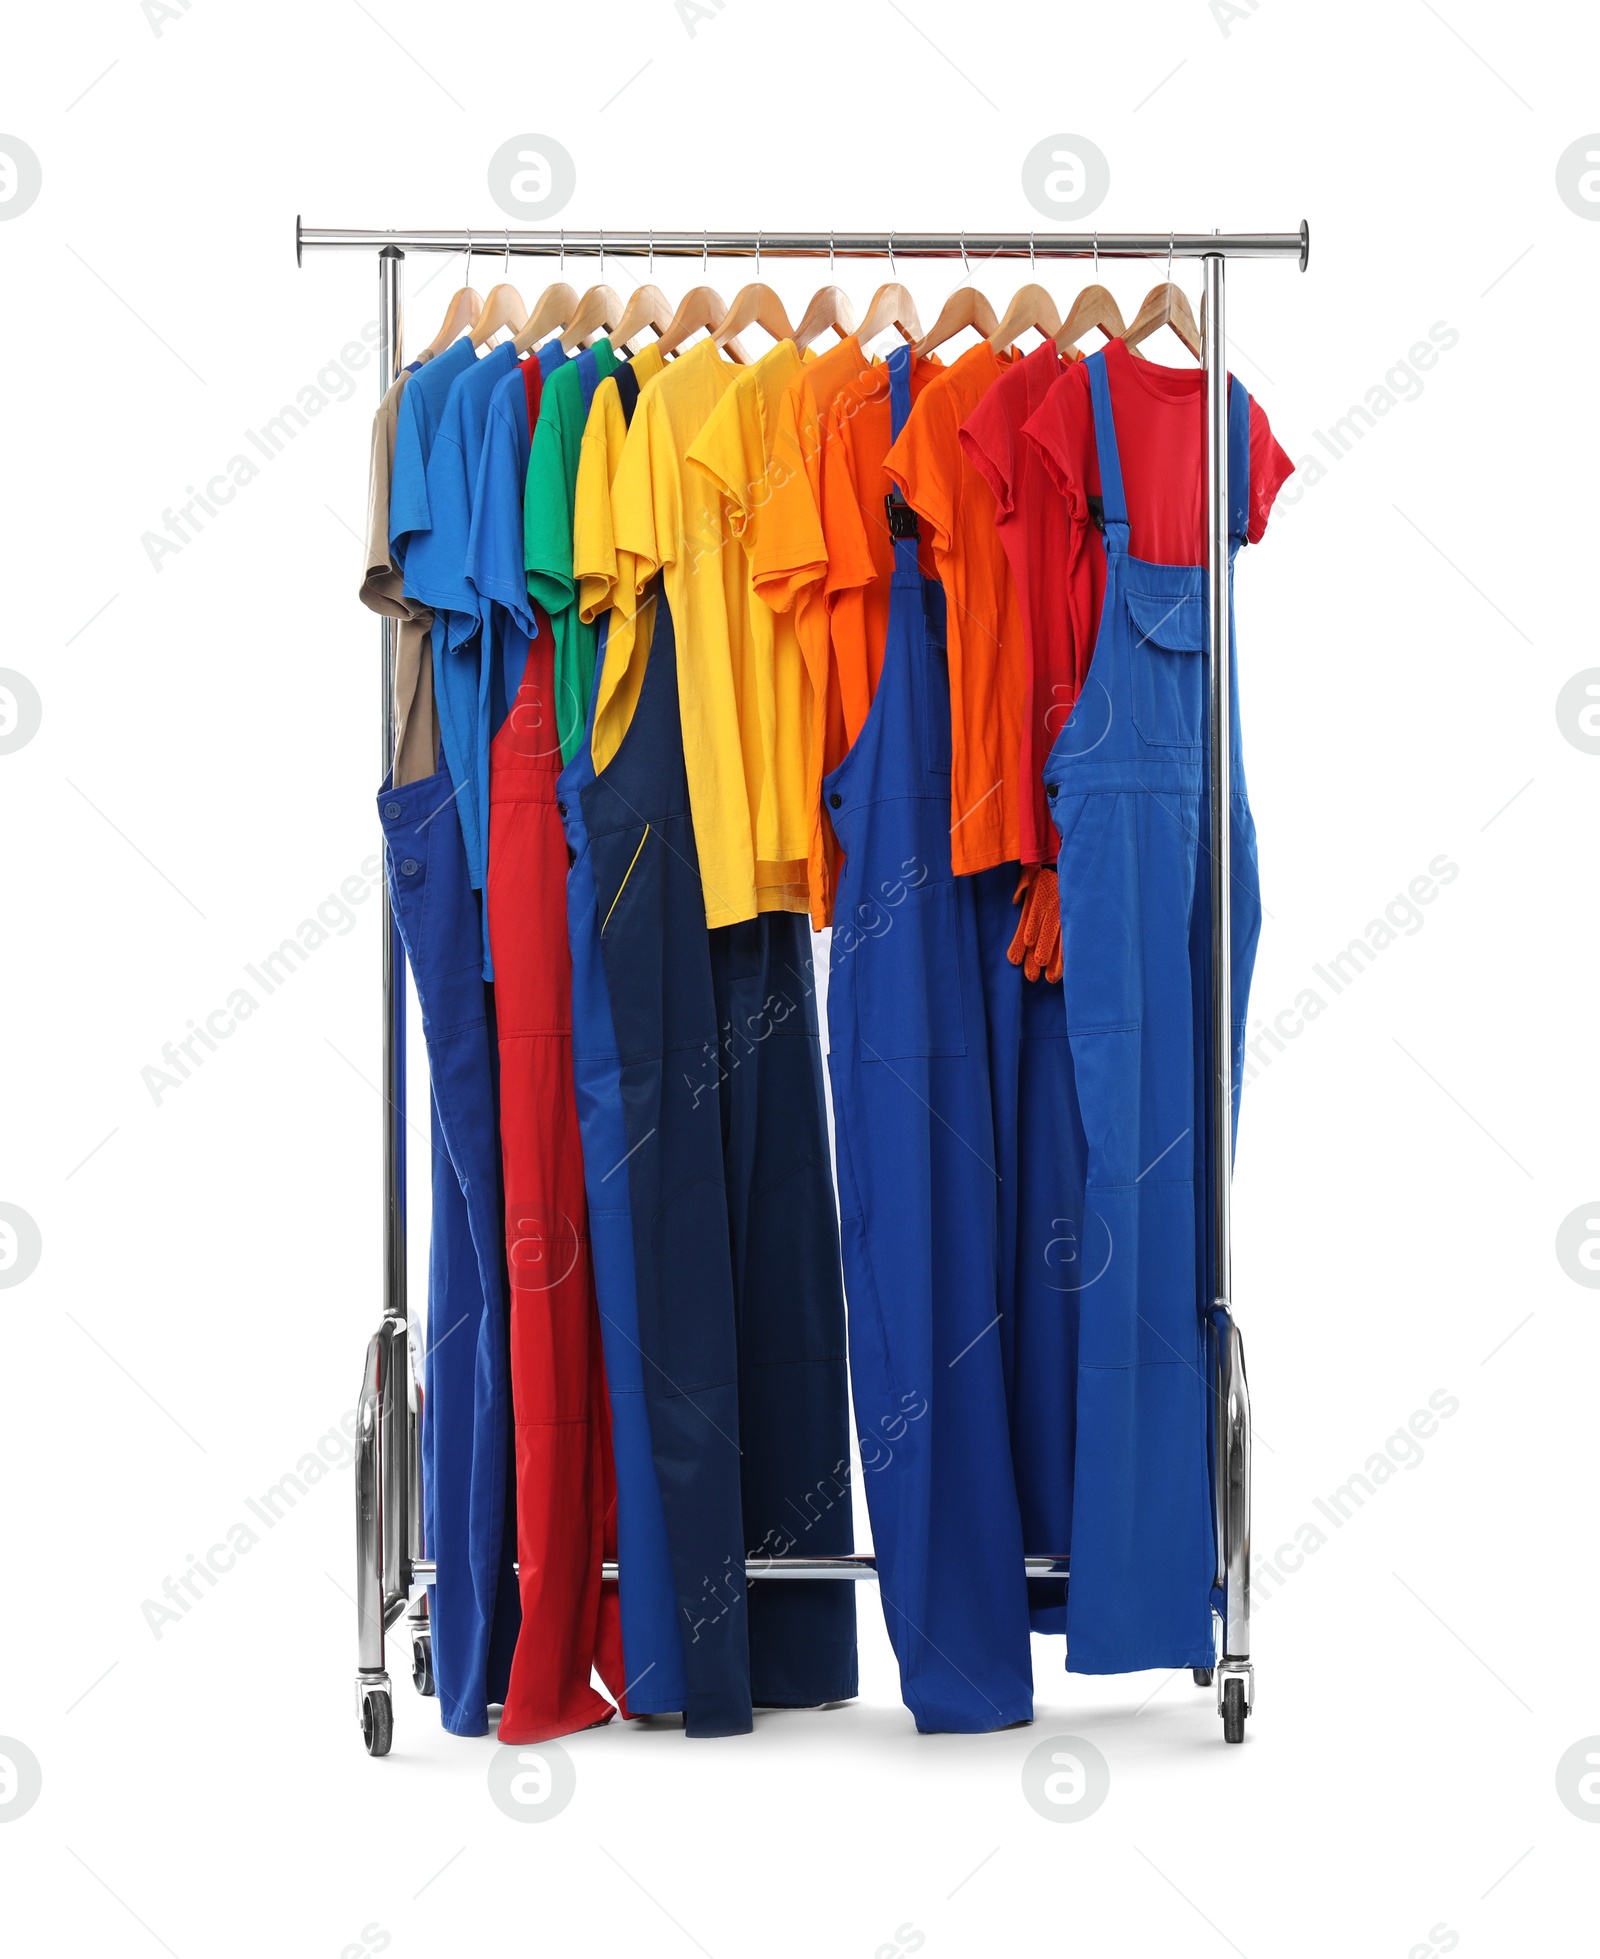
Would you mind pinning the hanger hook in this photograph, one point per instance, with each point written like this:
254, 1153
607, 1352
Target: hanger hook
507, 273
469, 255
652, 254
894, 270
1033, 259
602, 278
705, 257
966, 263
1097, 255
1171, 240
563, 251
758, 258
831, 273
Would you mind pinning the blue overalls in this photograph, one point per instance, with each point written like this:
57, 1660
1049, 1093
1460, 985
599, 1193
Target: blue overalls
651, 1646
925, 1018
740, 1311
469, 1520
1127, 780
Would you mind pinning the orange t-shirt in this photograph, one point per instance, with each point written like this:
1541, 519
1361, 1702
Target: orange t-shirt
984, 638
856, 439
788, 558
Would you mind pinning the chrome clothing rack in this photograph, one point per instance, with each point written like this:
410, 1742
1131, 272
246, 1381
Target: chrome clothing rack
390, 1566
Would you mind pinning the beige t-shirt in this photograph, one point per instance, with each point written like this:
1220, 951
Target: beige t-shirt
416, 726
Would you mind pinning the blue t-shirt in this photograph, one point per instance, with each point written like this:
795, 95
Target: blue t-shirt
436, 574
422, 402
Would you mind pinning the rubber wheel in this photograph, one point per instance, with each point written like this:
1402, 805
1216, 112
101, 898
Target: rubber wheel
422, 1667
1233, 1710
377, 1723
1203, 1676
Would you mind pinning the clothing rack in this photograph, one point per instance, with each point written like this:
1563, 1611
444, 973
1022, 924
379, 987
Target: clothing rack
390, 1565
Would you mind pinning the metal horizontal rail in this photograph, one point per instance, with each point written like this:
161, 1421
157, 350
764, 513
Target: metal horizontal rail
866, 1566
818, 244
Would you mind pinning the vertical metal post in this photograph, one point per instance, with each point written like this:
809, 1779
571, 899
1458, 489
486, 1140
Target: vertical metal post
382, 1441
1232, 1425
390, 337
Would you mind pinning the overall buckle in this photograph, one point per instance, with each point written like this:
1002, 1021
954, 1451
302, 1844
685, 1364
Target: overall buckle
902, 518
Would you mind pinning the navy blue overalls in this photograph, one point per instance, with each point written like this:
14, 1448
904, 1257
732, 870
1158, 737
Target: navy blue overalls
740, 1311
468, 1518
1127, 780
651, 1646
958, 1187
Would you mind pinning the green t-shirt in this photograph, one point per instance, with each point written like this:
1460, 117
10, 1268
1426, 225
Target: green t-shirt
547, 532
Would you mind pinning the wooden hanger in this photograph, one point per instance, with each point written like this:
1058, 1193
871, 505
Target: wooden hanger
755, 305
551, 310
648, 306
966, 307
829, 307
1094, 307
1165, 305
598, 311
1032, 307
891, 306
462, 312
701, 306
503, 308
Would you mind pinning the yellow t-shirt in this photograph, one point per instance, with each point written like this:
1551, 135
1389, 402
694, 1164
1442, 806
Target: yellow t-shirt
594, 553
735, 451
669, 516
599, 577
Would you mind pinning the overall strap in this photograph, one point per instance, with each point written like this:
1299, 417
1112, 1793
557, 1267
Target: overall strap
902, 518
1105, 442
1238, 463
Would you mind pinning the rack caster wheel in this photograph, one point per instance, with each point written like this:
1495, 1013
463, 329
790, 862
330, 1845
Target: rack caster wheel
377, 1720
1203, 1676
1234, 1710
422, 1667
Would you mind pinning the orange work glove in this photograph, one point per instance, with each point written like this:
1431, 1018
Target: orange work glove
1036, 948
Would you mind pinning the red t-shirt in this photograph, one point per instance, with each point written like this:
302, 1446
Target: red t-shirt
1057, 566
1160, 418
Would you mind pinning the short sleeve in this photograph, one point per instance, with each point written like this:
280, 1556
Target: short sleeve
381, 584
1062, 430
494, 547
926, 462
547, 509
728, 451
789, 551
594, 551
643, 506
408, 481
847, 557
1270, 469
989, 438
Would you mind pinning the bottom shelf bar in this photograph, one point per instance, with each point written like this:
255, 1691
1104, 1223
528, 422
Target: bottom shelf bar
864, 1566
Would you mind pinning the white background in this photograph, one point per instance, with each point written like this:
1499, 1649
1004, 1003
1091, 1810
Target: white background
204, 776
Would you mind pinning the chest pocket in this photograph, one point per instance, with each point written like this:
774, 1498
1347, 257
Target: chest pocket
1168, 637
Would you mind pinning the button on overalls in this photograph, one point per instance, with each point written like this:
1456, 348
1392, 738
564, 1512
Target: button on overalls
1127, 782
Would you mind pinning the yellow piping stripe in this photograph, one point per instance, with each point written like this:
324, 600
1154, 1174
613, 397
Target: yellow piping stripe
624, 884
